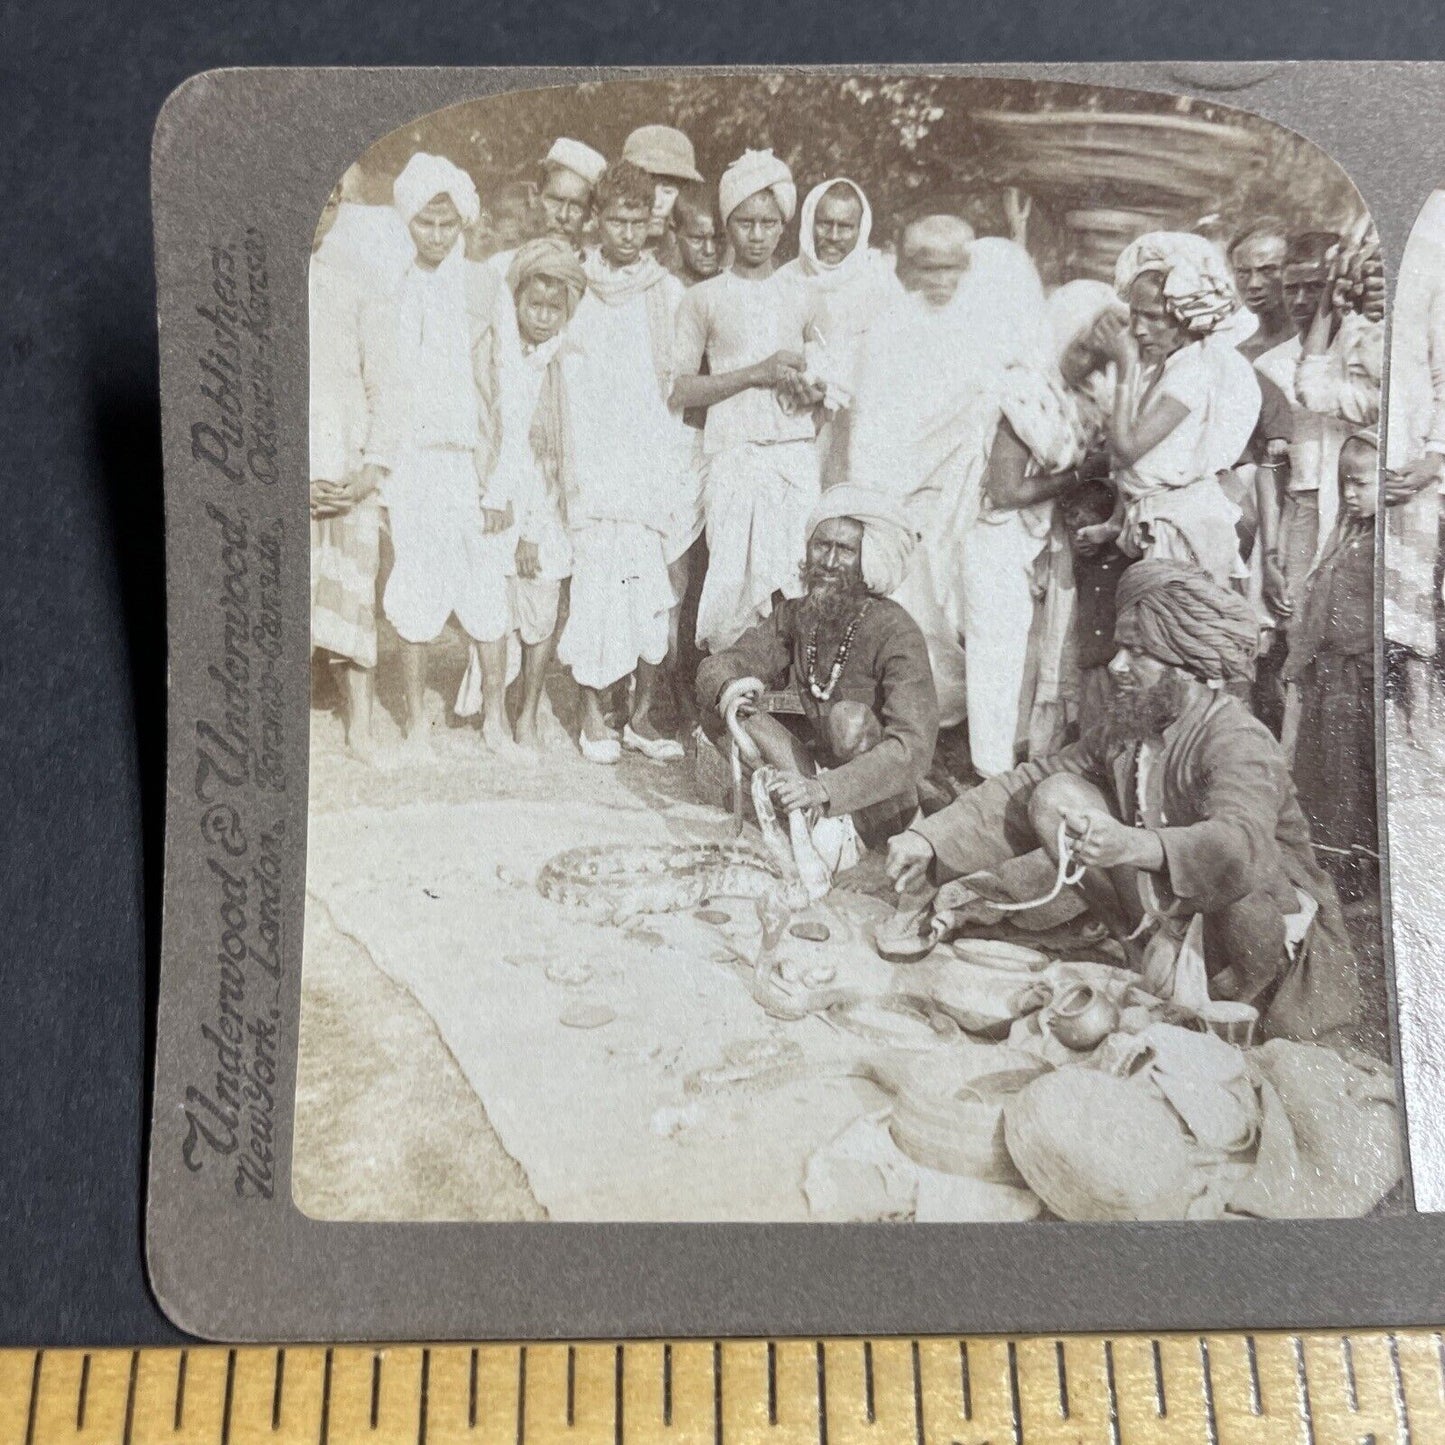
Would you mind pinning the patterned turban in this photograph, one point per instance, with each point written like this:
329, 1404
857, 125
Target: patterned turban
425, 177
1198, 286
888, 536
1178, 614
552, 257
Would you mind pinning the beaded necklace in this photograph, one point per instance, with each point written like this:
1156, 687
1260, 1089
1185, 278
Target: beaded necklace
810, 654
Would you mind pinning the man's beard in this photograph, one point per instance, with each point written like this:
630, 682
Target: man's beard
1147, 711
832, 600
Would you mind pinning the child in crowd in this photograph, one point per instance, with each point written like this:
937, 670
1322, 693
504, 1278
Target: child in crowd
1097, 568
1332, 667
546, 282
696, 235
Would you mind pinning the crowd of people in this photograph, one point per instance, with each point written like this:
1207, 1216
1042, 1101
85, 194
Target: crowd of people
969, 566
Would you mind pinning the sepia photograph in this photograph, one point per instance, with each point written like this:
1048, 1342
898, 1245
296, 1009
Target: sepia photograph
844, 650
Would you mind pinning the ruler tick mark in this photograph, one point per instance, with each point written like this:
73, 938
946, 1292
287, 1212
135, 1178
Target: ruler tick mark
276, 1389
375, 1387
772, 1383
964, 1381
1013, 1393
1062, 1378
917, 1394
822, 1396
521, 1393
571, 1385
667, 1385
472, 1393
180, 1388
1302, 1379
34, 1398
1440, 1365
868, 1381
617, 1399
230, 1393
1347, 1359
80, 1398
1397, 1382
1161, 1403
129, 1426
1256, 1405
425, 1390
1113, 1390
1211, 1420
717, 1430
325, 1400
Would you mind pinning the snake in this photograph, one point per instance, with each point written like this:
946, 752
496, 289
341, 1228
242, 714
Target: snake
616, 883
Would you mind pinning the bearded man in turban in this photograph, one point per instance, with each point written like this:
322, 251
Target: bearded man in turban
1183, 814
857, 716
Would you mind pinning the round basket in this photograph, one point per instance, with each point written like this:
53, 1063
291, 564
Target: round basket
956, 1126
1096, 1147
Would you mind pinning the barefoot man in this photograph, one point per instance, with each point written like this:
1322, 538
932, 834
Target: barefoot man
546, 282
425, 450
760, 437
632, 455
1181, 810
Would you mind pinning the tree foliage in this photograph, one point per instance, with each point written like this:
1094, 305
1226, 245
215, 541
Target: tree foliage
903, 138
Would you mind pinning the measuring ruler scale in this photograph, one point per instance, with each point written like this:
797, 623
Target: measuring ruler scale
1261, 1389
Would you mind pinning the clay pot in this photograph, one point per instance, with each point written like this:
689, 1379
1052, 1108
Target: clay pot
1233, 1022
1082, 1017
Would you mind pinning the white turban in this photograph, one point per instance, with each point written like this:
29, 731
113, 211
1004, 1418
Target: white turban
888, 535
1075, 307
577, 157
1198, 286
425, 177
755, 171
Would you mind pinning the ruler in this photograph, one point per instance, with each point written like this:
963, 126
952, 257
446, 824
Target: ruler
1263, 1389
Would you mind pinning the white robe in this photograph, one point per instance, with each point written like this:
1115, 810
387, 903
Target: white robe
626, 445
923, 422
761, 476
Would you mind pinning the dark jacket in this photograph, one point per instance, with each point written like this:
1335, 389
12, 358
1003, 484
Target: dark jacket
1233, 827
887, 670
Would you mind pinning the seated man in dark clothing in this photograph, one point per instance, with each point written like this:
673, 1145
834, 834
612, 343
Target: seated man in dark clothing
1182, 812
854, 670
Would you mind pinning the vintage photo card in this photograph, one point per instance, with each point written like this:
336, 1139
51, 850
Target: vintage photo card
808, 647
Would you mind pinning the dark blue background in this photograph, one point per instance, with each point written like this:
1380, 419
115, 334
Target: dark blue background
82, 585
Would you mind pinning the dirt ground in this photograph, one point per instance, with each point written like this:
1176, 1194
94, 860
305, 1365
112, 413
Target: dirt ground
386, 1125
